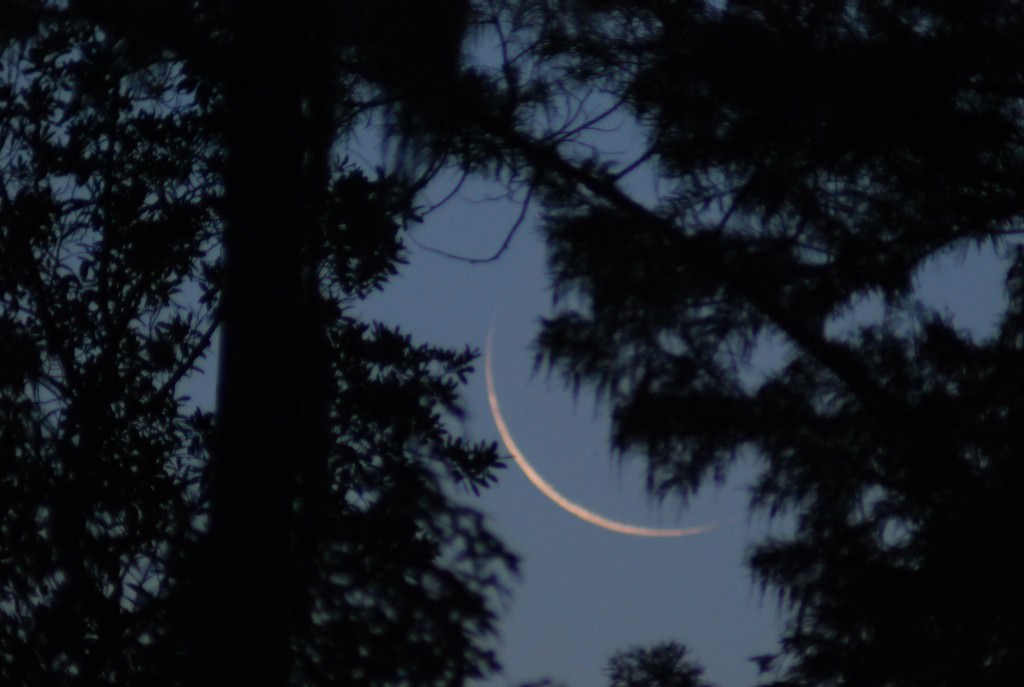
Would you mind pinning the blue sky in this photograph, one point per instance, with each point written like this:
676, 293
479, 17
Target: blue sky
586, 592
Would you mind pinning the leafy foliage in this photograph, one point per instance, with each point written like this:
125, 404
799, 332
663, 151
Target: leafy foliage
663, 665
112, 156
105, 229
811, 158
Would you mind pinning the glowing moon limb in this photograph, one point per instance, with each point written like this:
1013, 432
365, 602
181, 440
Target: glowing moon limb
548, 490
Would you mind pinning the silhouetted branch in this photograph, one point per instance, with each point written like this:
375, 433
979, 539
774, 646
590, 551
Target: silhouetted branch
520, 218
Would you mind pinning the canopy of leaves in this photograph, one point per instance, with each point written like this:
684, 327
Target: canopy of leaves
112, 154
811, 157
663, 665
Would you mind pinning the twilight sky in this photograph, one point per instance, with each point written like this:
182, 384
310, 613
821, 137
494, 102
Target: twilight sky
586, 592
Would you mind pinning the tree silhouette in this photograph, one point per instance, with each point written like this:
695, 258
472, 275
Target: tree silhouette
812, 158
663, 665
167, 175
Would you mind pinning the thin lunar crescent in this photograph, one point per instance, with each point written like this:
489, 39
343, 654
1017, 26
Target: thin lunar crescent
548, 490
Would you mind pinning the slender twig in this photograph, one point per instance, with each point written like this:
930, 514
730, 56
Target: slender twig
451, 194
501, 249
648, 154
189, 362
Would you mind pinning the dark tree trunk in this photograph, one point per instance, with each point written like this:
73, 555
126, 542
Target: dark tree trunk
270, 417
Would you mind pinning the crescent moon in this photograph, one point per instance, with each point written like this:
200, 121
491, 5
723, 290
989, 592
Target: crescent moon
552, 493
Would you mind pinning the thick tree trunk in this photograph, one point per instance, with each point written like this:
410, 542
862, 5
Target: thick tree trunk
270, 420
